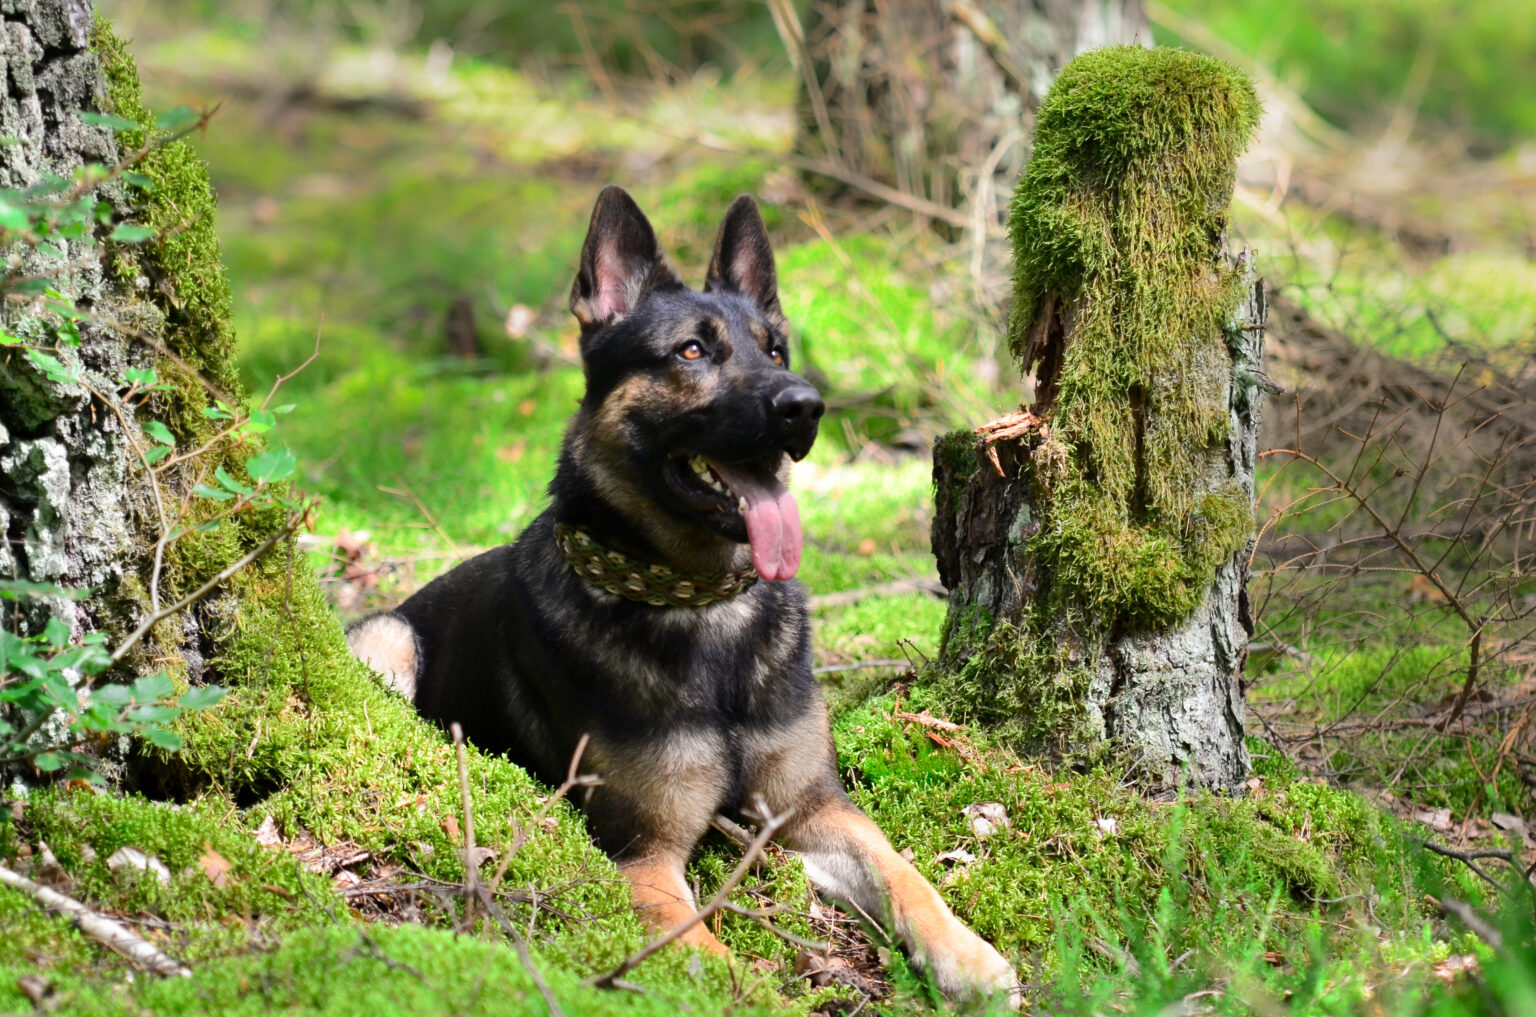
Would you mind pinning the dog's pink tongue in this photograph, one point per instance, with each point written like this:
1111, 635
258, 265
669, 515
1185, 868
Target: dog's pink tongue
773, 522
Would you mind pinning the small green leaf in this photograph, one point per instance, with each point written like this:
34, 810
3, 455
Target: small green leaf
50, 761
285, 408
21, 589
229, 483
111, 120
176, 119
6, 339
159, 432
52, 367
202, 697
116, 696
160, 737
204, 491
152, 713
48, 250
127, 233
141, 376
151, 687
12, 218
273, 464
56, 633
156, 453
138, 180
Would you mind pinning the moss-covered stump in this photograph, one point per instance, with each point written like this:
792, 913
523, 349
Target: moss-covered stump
1095, 547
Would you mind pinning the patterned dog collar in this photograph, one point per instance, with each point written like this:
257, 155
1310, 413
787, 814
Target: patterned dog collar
656, 585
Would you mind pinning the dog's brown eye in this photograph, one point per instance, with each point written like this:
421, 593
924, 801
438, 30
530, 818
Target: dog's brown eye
777, 355
692, 351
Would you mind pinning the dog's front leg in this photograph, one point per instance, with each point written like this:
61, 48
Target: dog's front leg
848, 858
663, 901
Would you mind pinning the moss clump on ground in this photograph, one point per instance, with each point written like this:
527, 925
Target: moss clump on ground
1113, 230
1311, 873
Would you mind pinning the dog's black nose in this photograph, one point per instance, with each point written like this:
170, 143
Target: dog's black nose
796, 413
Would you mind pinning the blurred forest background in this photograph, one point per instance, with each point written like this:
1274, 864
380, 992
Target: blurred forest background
410, 181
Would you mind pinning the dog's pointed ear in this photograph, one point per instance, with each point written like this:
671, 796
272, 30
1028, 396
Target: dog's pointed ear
743, 260
620, 262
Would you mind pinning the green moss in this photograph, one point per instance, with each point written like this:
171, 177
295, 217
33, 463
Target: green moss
1115, 218
179, 268
1086, 858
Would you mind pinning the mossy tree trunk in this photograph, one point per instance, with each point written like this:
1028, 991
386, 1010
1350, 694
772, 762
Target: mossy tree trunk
1096, 545
80, 507
924, 95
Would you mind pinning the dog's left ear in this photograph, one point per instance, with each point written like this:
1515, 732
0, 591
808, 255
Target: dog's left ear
743, 260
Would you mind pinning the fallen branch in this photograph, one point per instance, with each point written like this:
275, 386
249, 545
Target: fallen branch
771, 825
1472, 920
99, 928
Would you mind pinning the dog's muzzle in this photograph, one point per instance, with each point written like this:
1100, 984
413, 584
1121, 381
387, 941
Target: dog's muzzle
795, 414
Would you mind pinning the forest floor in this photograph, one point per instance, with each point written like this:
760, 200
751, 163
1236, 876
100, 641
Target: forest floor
419, 216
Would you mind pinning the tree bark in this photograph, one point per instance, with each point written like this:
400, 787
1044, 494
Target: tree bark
80, 508
928, 96
1096, 546
71, 512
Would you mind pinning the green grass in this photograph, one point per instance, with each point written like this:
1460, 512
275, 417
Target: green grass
1355, 62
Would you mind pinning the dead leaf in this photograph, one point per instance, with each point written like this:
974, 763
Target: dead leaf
986, 818
36, 988
1435, 819
867, 547
450, 827
132, 858
1109, 827
346, 879
480, 855
46, 868
1513, 824
958, 856
512, 453
1273, 959
1454, 965
267, 835
215, 866
1253, 783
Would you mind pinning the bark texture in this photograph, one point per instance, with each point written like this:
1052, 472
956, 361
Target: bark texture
68, 507
928, 95
1096, 546
79, 507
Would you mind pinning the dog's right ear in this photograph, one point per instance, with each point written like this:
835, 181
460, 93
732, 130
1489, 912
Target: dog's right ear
620, 262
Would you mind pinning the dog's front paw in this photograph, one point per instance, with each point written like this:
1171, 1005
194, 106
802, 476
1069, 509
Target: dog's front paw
968, 969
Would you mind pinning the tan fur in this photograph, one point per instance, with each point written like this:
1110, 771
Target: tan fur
680, 780
847, 857
387, 644
663, 901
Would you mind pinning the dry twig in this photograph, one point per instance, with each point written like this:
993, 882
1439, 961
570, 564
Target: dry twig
103, 930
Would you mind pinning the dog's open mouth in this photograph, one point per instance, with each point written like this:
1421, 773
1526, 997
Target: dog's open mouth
756, 497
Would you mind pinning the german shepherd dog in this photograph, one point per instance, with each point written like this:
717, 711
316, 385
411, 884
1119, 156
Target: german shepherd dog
653, 606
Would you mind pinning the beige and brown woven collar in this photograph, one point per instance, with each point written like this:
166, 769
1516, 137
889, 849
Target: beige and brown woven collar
656, 585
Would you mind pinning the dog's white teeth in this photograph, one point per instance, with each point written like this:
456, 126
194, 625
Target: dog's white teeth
741, 505
699, 465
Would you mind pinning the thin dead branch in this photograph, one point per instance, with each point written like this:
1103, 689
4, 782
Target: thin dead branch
102, 929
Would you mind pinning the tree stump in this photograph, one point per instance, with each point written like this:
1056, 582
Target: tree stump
1095, 546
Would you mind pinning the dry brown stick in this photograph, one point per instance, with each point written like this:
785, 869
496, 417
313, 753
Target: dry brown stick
771, 825
294, 522
102, 929
471, 866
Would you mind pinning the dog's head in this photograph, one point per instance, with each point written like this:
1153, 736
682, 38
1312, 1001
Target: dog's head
691, 409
